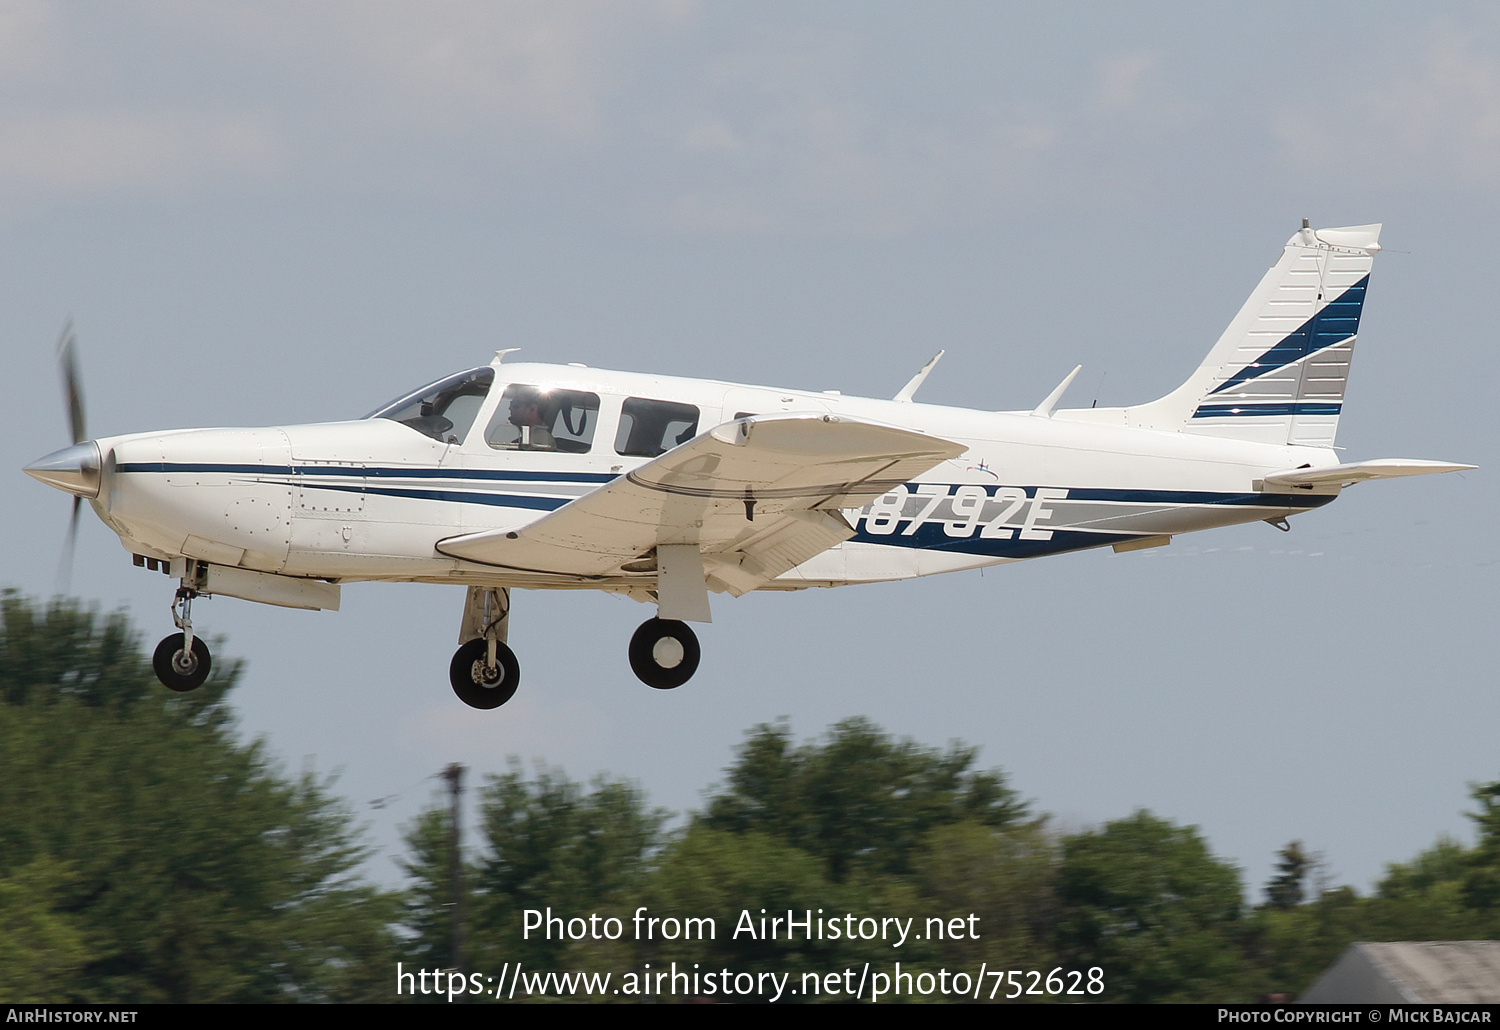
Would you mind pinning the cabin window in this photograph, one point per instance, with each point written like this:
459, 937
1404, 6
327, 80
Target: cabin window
532, 418
649, 428
444, 410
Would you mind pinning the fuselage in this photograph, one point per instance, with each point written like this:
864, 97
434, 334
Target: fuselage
370, 499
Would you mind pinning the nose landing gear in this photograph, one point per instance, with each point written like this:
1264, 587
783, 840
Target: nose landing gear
182, 661
179, 665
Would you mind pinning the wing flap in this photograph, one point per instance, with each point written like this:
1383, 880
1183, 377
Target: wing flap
758, 496
792, 539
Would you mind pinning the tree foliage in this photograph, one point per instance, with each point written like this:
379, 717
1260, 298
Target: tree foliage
855, 823
1286, 888
552, 844
862, 823
1145, 900
148, 852
858, 800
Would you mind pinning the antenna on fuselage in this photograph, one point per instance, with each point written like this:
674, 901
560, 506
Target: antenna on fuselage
500, 354
911, 387
1044, 409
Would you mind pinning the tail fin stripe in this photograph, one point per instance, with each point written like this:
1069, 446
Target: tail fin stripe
1334, 324
1277, 408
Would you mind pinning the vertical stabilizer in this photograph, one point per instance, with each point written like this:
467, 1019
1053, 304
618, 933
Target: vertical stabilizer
1277, 375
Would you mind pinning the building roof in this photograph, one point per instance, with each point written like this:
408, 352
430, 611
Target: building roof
1412, 971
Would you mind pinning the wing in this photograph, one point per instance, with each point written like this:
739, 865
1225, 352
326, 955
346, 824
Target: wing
754, 497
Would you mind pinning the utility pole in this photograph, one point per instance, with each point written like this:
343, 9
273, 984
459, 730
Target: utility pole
454, 774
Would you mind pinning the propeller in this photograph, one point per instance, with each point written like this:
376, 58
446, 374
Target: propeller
67, 360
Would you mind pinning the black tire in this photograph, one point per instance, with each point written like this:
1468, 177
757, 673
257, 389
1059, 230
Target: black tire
466, 673
647, 663
178, 671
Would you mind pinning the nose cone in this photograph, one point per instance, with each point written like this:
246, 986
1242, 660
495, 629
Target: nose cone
75, 469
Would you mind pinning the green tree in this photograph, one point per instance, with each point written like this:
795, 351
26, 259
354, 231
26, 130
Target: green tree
1288, 948
708, 873
546, 842
42, 947
1481, 881
163, 859
1285, 888
858, 800
856, 823
1005, 877
427, 903
1146, 901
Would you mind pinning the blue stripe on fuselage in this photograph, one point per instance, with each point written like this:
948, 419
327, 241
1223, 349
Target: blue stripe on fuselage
454, 496
373, 471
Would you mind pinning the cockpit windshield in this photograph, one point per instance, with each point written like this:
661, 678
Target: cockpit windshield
444, 410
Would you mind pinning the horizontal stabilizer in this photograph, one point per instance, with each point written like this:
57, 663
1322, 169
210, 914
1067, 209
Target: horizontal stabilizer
1343, 475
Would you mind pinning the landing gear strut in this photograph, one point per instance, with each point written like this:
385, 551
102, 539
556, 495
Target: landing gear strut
484, 671
182, 661
664, 653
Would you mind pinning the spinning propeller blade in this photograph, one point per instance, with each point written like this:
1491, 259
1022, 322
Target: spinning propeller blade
67, 359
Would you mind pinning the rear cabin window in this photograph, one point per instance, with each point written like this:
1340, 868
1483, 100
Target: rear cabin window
649, 428
530, 418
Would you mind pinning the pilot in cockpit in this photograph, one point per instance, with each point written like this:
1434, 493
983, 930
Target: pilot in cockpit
529, 414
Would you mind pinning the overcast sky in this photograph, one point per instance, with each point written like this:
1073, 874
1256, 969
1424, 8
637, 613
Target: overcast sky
273, 213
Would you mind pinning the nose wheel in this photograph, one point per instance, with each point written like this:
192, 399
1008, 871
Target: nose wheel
481, 681
181, 666
664, 653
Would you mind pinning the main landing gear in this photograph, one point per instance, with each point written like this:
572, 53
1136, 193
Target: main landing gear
182, 661
664, 653
484, 673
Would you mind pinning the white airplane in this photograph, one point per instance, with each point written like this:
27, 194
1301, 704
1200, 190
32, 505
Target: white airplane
665, 489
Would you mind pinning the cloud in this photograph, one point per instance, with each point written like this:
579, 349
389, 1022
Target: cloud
785, 133
91, 151
168, 95
1123, 80
1433, 117
455, 65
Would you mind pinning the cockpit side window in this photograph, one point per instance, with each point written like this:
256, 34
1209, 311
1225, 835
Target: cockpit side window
649, 428
533, 418
444, 410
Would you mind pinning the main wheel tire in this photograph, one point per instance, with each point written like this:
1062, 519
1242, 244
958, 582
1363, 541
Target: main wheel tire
178, 668
664, 653
466, 673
